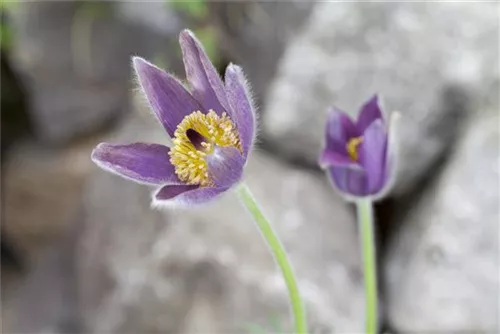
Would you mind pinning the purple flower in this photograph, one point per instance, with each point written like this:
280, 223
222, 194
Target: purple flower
212, 125
356, 155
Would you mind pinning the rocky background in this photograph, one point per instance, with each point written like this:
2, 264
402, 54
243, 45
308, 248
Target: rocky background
82, 252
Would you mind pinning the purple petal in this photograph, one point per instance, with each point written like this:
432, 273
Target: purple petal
170, 101
243, 113
329, 158
349, 179
373, 155
390, 156
339, 129
207, 86
144, 163
369, 113
186, 194
225, 166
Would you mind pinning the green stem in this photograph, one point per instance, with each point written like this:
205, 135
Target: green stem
366, 227
280, 256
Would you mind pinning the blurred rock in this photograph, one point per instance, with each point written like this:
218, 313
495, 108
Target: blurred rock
41, 189
442, 269
433, 62
43, 300
176, 271
75, 60
41, 196
13, 125
154, 15
254, 35
15, 121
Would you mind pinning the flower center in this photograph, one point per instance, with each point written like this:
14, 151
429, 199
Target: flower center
194, 139
352, 147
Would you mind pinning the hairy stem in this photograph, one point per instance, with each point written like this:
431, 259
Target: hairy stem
280, 256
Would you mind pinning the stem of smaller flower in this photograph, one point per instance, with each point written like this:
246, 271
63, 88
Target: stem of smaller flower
367, 237
280, 256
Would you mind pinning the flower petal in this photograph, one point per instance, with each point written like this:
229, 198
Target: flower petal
391, 156
225, 166
339, 129
373, 155
168, 98
185, 194
143, 163
329, 158
240, 101
349, 179
207, 86
369, 113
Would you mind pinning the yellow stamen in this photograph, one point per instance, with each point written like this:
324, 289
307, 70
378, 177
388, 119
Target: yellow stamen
352, 147
189, 162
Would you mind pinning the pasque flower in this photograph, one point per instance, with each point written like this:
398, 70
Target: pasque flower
211, 123
358, 158
356, 154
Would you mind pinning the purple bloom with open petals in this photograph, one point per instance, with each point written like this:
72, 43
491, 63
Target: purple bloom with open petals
356, 155
212, 125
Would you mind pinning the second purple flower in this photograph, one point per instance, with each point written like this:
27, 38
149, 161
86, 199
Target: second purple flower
356, 155
212, 125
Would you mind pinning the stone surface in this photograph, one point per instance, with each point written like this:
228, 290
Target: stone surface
42, 299
14, 120
433, 62
41, 196
255, 34
154, 15
13, 125
41, 189
442, 269
179, 270
74, 58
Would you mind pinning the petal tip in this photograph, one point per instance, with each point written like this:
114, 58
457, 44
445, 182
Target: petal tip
237, 72
141, 67
97, 152
144, 65
233, 67
100, 156
370, 111
187, 36
138, 62
186, 33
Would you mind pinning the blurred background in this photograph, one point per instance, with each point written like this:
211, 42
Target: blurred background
82, 252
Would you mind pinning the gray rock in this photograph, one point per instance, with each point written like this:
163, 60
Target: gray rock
153, 15
433, 62
14, 120
41, 192
179, 271
43, 300
74, 58
41, 196
442, 269
255, 34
